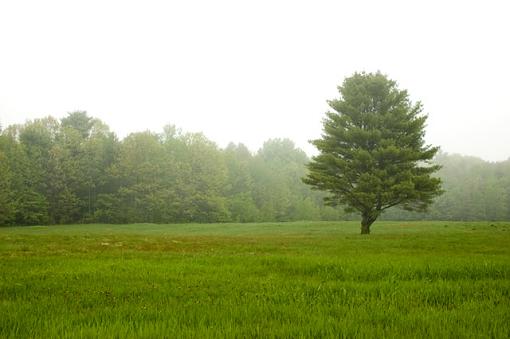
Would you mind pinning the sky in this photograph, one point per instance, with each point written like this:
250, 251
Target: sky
247, 71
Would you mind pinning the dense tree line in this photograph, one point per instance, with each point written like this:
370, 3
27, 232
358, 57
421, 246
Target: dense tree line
77, 171
474, 190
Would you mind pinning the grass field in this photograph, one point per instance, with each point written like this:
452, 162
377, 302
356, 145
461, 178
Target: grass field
285, 280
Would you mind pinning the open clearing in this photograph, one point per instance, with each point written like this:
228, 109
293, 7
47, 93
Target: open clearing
301, 279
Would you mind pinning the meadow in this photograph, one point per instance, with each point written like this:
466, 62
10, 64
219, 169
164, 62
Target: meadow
268, 280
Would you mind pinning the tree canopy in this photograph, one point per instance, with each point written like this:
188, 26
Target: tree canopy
76, 171
80, 172
372, 151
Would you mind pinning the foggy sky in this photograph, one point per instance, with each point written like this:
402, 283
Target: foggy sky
247, 71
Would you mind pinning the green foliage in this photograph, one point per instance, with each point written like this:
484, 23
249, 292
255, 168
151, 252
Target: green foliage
372, 153
203, 176
7, 206
77, 171
278, 191
285, 280
80, 122
474, 190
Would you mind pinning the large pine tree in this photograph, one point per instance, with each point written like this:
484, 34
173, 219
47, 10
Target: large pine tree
372, 152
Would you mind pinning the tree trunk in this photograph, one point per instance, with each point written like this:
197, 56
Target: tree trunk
365, 227
366, 221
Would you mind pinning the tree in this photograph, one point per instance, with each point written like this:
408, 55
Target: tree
80, 161
31, 163
240, 184
372, 152
79, 121
140, 172
201, 176
7, 204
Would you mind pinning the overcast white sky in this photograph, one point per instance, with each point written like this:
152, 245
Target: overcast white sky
246, 71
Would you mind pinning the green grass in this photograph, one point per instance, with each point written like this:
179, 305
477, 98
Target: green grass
285, 280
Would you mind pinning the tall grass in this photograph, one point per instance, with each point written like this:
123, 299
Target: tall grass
411, 280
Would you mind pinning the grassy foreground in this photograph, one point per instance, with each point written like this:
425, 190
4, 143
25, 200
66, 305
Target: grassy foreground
286, 280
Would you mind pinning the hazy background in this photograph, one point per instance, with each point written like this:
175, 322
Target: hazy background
248, 71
